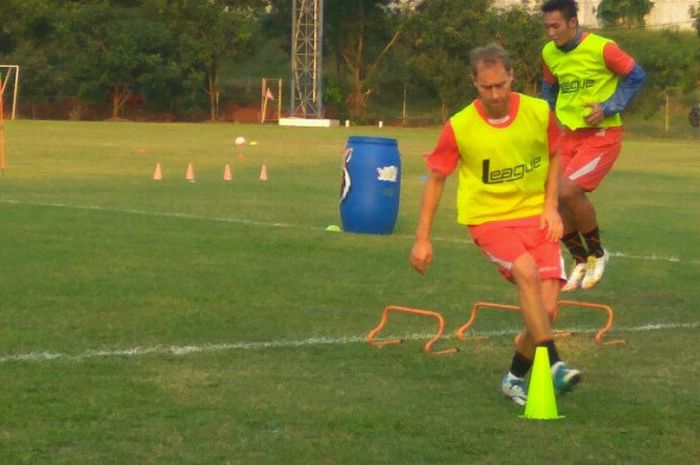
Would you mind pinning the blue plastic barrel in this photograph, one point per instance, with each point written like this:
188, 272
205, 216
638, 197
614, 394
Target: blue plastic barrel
371, 187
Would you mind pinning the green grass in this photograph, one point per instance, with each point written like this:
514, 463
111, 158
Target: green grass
95, 256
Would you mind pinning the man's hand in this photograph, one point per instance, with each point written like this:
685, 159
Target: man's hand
596, 116
421, 255
551, 220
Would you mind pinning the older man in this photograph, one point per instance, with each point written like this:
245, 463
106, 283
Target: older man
503, 146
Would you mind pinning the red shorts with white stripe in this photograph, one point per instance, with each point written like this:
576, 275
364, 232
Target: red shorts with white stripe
587, 155
503, 242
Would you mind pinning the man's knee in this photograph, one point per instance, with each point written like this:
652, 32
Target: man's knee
569, 192
525, 271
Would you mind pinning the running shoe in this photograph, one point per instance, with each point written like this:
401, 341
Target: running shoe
578, 272
514, 388
594, 270
565, 378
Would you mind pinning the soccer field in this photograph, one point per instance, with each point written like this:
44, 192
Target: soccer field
212, 322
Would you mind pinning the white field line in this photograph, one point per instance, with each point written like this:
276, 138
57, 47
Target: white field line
284, 344
653, 257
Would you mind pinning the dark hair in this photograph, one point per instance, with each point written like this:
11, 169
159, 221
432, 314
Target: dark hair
490, 54
568, 8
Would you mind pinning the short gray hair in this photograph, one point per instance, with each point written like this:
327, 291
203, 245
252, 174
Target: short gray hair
490, 54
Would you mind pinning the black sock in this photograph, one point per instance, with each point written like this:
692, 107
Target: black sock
592, 239
520, 365
573, 242
552, 350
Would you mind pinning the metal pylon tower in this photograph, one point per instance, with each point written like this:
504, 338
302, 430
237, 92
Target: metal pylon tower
307, 38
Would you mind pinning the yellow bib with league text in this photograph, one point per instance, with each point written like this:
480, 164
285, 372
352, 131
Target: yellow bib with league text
583, 78
502, 170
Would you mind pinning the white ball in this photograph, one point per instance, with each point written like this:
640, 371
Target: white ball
240, 140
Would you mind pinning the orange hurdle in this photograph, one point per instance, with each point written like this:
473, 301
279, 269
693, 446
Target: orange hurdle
514, 308
598, 338
428, 346
475, 309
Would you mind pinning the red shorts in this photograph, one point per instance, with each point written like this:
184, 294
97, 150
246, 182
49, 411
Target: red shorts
587, 155
504, 241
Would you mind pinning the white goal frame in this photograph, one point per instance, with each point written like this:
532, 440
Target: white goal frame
6, 75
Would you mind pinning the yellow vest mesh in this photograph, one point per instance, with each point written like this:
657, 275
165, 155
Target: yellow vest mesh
583, 78
502, 171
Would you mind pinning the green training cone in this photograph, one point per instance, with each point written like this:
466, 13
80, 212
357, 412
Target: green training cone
541, 403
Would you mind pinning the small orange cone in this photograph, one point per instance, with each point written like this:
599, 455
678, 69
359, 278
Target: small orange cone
157, 173
227, 173
263, 172
189, 176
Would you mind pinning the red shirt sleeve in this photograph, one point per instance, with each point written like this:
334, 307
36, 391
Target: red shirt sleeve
616, 60
445, 156
553, 134
547, 74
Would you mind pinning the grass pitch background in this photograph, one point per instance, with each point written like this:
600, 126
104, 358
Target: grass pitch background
95, 256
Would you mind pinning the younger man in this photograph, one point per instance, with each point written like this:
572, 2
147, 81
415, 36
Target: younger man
589, 81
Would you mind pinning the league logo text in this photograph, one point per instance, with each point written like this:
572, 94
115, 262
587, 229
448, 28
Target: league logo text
509, 174
575, 86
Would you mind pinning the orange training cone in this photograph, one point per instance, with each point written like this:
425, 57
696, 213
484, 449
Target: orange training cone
189, 176
227, 173
158, 173
263, 173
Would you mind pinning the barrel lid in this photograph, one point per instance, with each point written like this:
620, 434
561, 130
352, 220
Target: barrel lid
371, 140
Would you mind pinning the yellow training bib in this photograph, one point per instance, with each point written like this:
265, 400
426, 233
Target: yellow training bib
503, 170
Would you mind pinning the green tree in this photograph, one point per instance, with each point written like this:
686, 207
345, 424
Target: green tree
112, 49
359, 35
444, 32
441, 36
207, 33
670, 59
521, 34
695, 14
625, 13
27, 38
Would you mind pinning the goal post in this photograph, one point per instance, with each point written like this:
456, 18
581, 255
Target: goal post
270, 99
2, 131
9, 84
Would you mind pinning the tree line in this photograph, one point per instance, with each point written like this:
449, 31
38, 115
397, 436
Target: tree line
170, 51
175, 52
